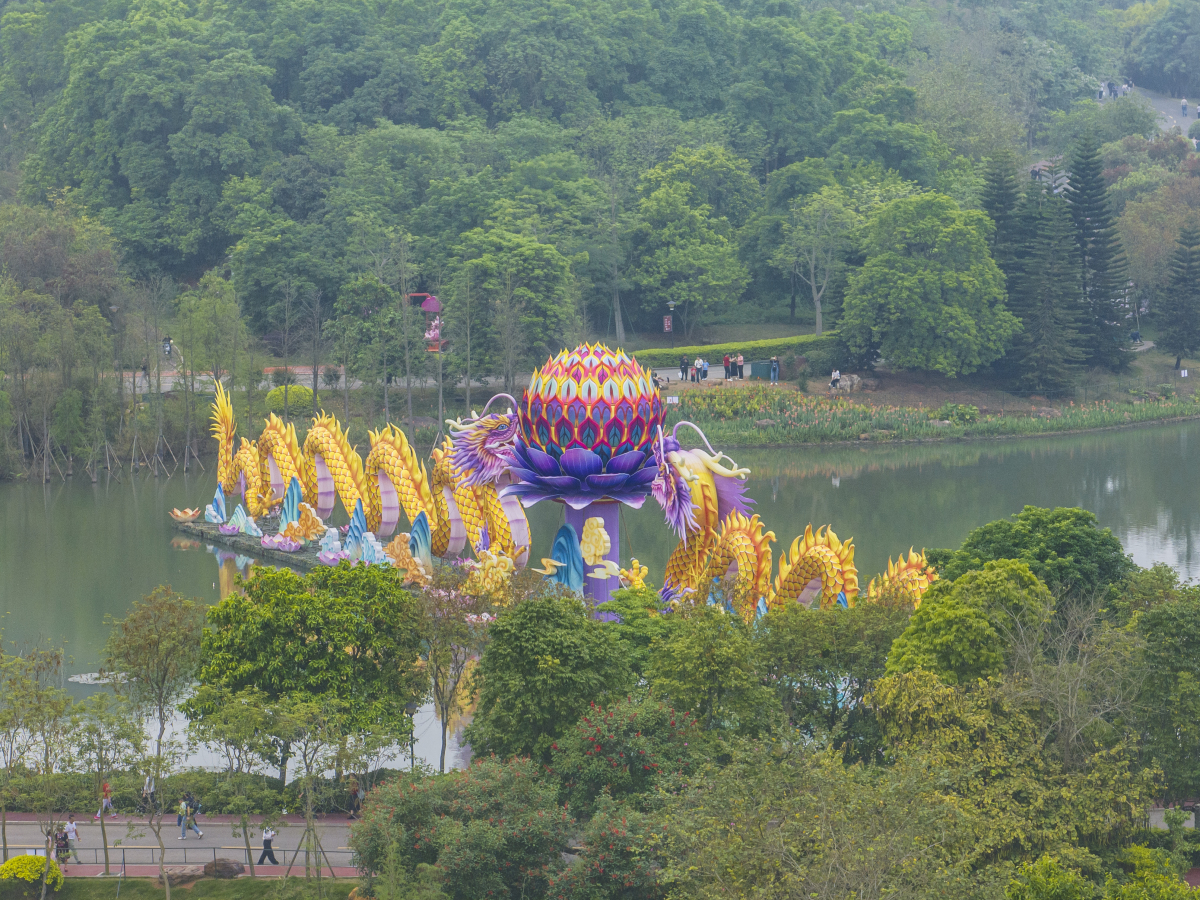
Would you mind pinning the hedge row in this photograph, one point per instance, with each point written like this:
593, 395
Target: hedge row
799, 345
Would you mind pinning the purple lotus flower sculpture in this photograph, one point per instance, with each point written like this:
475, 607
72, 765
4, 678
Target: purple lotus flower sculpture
332, 557
280, 542
588, 421
580, 476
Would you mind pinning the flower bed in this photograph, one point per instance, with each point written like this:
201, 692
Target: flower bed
760, 415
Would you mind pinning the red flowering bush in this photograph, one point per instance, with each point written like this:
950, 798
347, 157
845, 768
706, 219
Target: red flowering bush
617, 858
628, 749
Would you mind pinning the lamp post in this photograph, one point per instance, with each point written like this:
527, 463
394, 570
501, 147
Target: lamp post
411, 708
671, 307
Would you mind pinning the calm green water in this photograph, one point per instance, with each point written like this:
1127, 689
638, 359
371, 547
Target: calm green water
71, 554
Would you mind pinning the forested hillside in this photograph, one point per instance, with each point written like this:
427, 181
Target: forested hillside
552, 170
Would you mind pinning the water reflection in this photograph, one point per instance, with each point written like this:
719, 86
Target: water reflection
72, 553
230, 566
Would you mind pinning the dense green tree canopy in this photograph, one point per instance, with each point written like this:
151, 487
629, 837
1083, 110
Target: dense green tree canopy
546, 661
350, 633
929, 295
1062, 546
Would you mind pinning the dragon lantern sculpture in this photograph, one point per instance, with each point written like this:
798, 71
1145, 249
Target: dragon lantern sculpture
588, 433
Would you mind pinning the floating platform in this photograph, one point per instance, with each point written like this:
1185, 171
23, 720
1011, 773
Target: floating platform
302, 560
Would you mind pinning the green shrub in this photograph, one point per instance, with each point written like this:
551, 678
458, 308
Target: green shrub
494, 829
819, 364
28, 870
956, 413
299, 397
801, 345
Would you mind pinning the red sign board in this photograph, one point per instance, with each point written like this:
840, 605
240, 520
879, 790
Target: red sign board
667, 329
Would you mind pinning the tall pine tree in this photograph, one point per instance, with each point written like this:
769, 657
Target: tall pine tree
1179, 311
1001, 197
1047, 293
1104, 270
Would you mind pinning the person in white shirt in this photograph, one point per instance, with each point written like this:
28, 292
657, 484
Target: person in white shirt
267, 852
72, 831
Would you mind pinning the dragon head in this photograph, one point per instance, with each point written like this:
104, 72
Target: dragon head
670, 486
483, 446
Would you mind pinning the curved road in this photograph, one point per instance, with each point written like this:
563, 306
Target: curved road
1168, 110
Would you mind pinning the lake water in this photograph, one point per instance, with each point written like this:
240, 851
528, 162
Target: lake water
72, 554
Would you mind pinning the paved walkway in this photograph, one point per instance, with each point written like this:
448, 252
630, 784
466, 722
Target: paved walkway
130, 841
267, 871
1168, 110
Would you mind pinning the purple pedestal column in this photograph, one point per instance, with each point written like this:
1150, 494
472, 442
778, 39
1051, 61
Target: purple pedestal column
600, 589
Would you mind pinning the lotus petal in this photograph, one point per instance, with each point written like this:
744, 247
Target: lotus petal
524, 474
544, 463
579, 501
643, 477
607, 482
628, 462
632, 499
560, 483
581, 463
534, 496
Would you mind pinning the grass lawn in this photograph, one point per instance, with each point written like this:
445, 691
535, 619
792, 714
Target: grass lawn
205, 889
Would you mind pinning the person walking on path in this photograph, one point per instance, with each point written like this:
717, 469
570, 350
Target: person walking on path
696, 370
185, 819
190, 820
61, 849
741, 368
683, 368
105, 802
267, 852
727, 363
72, 832
1183, 108
705, 375
774, 370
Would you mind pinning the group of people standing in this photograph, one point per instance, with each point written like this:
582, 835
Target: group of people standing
698, 370
735, 368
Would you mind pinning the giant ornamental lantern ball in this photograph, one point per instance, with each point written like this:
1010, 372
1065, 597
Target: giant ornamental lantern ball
588, 421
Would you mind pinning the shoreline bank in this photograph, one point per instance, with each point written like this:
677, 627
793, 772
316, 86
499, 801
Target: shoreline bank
950, 439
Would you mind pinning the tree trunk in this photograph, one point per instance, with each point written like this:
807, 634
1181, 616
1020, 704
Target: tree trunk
792, 307
316, 362
468, 351
445, 729
817, 308
104, 835
441, 405
618, 324
249, 852
387, 407
162, 851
